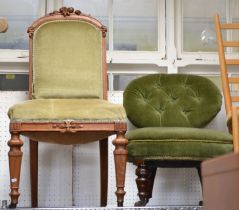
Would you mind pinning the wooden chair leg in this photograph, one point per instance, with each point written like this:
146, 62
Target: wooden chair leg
103, 171
143, 184
34, 172
120, 156
15, 159
152, 173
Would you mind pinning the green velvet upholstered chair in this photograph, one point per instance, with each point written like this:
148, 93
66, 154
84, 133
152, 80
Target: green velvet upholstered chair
169, 112
67, 98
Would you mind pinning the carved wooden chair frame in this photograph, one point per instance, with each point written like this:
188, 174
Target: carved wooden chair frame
16, 128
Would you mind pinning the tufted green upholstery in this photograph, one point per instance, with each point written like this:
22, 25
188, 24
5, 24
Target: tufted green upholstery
80, 44
171, 100
169, 111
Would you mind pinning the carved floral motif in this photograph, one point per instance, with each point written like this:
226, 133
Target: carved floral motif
68, 126
104, 30
66, 11
30, 31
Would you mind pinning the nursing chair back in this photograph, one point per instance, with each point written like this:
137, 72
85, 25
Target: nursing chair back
171, 101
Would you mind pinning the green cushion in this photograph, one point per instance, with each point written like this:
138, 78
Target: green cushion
171, 143
67, 60
48, 110
171, 100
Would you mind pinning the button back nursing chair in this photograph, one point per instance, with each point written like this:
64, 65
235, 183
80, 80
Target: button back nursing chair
169, 111
67, 98
230, 84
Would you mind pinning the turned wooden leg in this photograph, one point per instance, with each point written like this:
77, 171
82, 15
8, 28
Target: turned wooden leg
143, 184
120, 156
103, 171
152, 173
15, 158
34, 172
200, 178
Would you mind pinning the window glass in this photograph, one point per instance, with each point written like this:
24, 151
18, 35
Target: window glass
96, 8
135, 25
198, 24
122, 80
13, 82
18, 15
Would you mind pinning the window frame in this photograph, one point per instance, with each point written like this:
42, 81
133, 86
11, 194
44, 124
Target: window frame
18, 55
194, 58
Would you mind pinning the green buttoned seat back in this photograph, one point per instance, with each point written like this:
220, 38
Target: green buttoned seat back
169, 112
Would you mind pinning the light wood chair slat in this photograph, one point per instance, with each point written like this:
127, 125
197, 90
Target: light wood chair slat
231, 43
229, 25
233, 80
232, 61
235, 98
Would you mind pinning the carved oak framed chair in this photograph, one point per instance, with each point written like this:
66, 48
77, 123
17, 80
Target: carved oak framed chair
169, 112
229, 83
67, 98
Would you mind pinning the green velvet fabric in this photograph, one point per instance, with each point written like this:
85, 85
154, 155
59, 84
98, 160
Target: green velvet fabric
168, 100
176, 143
53, 110
67, 60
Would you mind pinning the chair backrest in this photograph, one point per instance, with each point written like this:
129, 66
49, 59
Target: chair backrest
227, 81
171, 100
67, 56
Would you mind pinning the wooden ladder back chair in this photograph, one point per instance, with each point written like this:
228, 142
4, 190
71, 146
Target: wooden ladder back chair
67, 98
227, 81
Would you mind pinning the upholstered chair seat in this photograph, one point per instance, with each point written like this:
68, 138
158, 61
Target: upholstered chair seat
169, 112
175, 143
71, 111
54, 110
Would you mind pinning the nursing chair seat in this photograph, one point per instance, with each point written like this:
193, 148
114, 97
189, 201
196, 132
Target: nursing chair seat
169, 112
175, 143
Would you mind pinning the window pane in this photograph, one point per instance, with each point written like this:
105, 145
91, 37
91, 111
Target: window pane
198, 24
96, 8
122, 80
13, 82
135, 25
19, 15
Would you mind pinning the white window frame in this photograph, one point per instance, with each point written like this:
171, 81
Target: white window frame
194, 58
139, 57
